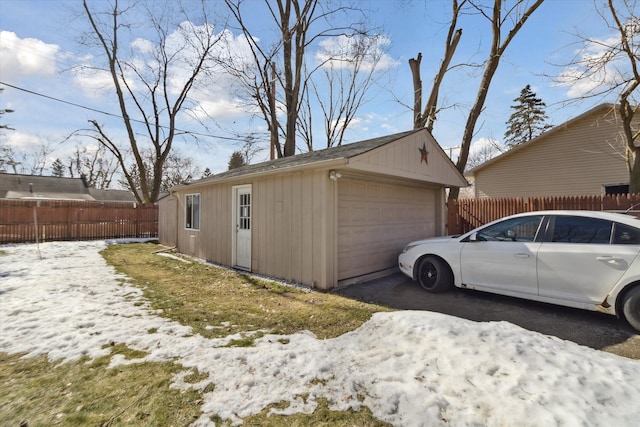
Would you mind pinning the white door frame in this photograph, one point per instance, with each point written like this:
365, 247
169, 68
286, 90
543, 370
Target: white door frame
241, 224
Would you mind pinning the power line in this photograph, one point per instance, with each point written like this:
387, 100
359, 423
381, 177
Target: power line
106, 113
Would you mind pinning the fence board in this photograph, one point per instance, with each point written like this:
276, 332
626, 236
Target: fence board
467, 214
74, 220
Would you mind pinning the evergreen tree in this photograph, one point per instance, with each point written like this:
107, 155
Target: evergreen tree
57, 168
528, 119
237, 160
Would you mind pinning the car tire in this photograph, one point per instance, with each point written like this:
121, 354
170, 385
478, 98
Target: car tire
434, 275
631, 307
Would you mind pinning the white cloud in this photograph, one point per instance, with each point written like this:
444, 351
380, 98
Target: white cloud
93, 82
595, 68
26, 57
483, 145
218, 109
340, 51
22, 141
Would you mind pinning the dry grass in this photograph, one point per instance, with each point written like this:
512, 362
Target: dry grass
201, 295
38, 392
215, 302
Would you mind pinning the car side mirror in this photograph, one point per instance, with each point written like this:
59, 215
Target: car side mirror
473, 237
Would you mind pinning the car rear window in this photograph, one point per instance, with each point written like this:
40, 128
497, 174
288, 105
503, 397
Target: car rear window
626, 235
578, 229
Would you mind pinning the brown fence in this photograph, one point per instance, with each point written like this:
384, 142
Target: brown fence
467, 214
23, 220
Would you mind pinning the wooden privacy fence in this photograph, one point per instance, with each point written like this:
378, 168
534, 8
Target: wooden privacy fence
22, 220
467, 214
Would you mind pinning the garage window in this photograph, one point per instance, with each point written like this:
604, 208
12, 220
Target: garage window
192, 212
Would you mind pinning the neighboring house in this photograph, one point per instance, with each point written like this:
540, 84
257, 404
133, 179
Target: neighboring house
34, 187
584, 156
323, 218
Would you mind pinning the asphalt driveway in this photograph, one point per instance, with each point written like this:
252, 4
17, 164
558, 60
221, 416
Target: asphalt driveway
595, 330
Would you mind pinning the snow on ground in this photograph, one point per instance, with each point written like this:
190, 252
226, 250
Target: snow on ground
410, 368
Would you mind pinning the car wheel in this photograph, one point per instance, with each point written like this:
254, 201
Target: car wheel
434, 275
631, 307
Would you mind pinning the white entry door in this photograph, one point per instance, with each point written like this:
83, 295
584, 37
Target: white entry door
242, 226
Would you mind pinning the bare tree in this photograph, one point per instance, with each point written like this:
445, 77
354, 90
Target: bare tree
350, 67
278, 77
610, 67
155, 85
505, 21
427, 118
487, 150
98, 166
28, 162
176, 170
519, 13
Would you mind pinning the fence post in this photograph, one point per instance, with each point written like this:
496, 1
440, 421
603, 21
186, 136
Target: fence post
137, 211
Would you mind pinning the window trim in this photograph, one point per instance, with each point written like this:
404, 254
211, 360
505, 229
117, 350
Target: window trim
194, 223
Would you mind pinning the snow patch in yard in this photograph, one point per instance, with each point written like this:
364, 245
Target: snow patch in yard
410, 368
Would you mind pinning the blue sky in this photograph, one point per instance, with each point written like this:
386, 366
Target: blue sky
38, 45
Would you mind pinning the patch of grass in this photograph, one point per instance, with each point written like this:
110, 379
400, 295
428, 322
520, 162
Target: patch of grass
245, 342
322, 416
217, 302
44, 393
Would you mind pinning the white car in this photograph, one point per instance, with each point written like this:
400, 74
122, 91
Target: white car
582, 259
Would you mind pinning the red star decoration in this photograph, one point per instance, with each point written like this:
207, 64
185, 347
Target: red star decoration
424, 154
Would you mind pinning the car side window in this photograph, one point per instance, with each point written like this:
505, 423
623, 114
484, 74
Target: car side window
579, 229
625, 235
522, 229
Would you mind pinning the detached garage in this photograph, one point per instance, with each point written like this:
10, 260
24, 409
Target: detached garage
324, 218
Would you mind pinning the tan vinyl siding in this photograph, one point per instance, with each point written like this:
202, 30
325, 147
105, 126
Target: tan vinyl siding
291, 236
405, 160
303, 230
168, 221
575, 160
291, 232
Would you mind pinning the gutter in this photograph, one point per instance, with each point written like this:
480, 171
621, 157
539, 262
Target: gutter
274, 171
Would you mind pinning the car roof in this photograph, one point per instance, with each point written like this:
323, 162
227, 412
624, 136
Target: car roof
610, 216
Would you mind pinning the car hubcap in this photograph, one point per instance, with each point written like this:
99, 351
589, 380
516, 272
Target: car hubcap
430, 275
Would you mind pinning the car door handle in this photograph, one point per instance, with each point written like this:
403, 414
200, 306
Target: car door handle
608, 258
521, 255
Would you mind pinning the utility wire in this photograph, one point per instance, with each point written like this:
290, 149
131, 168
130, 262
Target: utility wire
112, 114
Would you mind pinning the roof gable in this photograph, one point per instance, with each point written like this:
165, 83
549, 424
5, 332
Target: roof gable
600, 110
354, 155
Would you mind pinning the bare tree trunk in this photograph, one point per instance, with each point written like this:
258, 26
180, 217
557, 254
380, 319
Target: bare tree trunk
414, 65
428, 117
497, 50
431, 108
628, 111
